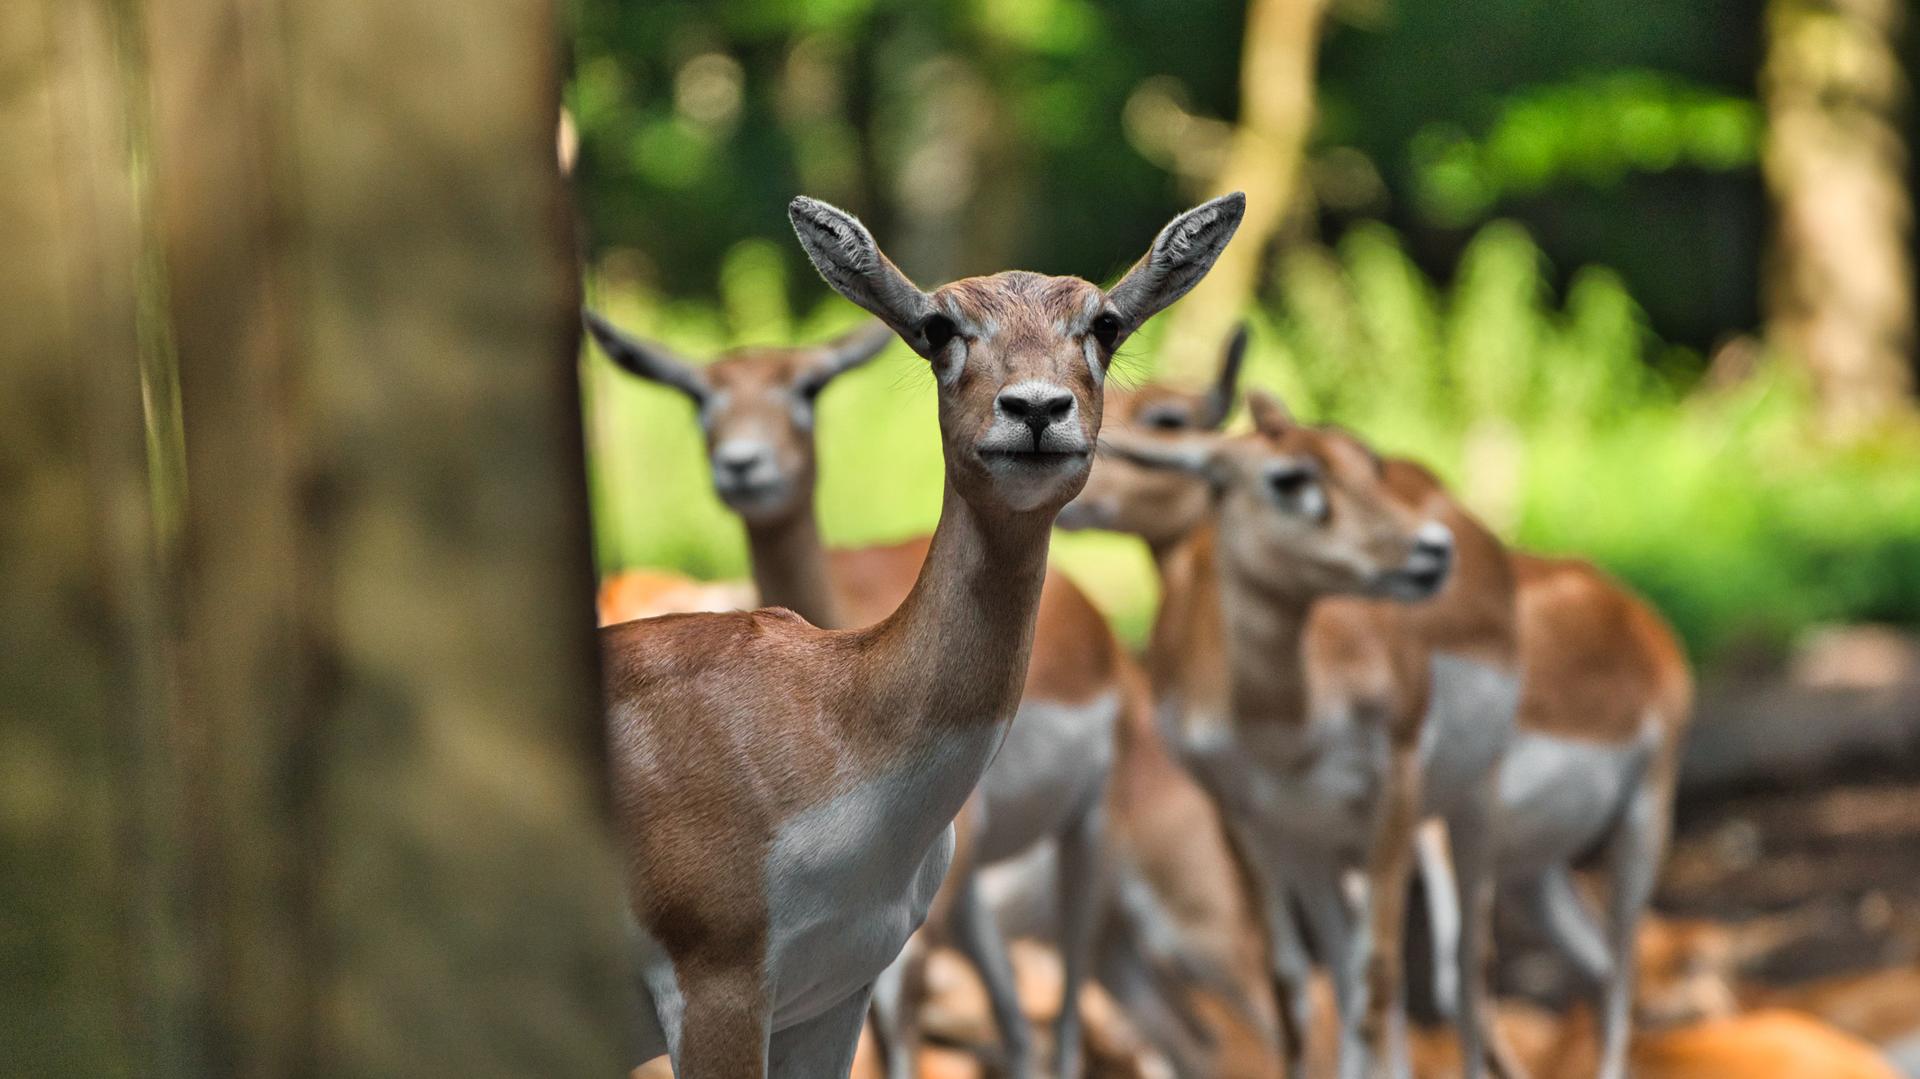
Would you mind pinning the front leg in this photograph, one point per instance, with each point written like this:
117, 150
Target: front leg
1389, 863
1271, 879
1633, 855
897, 994
901, 989
1434, 863
1471, 835
978, 936
1079, 880
821, 1047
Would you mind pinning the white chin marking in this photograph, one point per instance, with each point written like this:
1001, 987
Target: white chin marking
1024, 487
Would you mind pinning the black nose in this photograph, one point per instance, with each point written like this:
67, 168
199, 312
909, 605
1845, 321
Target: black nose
1039, 407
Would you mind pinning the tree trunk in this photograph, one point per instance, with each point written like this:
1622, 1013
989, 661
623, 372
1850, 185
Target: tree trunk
1839, 291
1277, 64
81, 978
310, 781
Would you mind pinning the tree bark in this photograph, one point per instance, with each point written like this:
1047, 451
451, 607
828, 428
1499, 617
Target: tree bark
309, 777
84, 978
1839, 288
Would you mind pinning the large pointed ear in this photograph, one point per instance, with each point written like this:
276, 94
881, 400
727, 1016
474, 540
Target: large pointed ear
1194, 454
838, 357
842, 249
1219, 401
646, 359
1270, 417
1180, 256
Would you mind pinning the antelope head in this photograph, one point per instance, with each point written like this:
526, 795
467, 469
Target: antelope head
1020, 359
1159, 505
1307, 511
756, 409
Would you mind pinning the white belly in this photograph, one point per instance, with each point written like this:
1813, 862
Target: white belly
1557, 795
831, 941
1055, 758
850, 880
1468, 727
827, 941
1023, 892
1315, 787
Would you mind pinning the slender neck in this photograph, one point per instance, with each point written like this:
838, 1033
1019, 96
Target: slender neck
957, 647
790, 567
1266, 661
1223, 645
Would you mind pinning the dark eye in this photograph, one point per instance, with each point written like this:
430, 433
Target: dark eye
1167, 421
936, 331
1298, 491
1105, 329
1290, 483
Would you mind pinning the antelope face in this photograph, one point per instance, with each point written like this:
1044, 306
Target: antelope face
1020, 359
1159, 505
756, 409
1311, 511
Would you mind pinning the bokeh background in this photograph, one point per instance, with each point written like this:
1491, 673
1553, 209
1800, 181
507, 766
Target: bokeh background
1637, 278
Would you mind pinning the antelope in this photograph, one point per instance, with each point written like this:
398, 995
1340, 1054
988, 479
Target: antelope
1175, 869
1327, 723
1604, 700
1604, 703
1179, 946
756, 410
786, 793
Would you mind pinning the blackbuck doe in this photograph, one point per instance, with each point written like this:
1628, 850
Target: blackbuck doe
1334, 657
1604, 701
1606, 697
786, 793
756, 409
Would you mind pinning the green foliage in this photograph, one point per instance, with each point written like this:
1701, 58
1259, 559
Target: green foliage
1551, 421
1562, 420
1590, 130
983, 122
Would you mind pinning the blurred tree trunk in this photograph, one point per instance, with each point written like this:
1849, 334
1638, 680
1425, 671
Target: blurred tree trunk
84, 976
303, 751
1840, 287
1277, 65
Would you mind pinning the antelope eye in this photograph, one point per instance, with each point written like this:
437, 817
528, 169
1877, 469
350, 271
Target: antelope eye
1290, 483
1105, 329
1167, 421
936, 331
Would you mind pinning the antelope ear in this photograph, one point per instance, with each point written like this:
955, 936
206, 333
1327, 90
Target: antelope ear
1180, 256
1219, 401
842, 249
646, 359
838, 357
1270, 417
1195, 455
